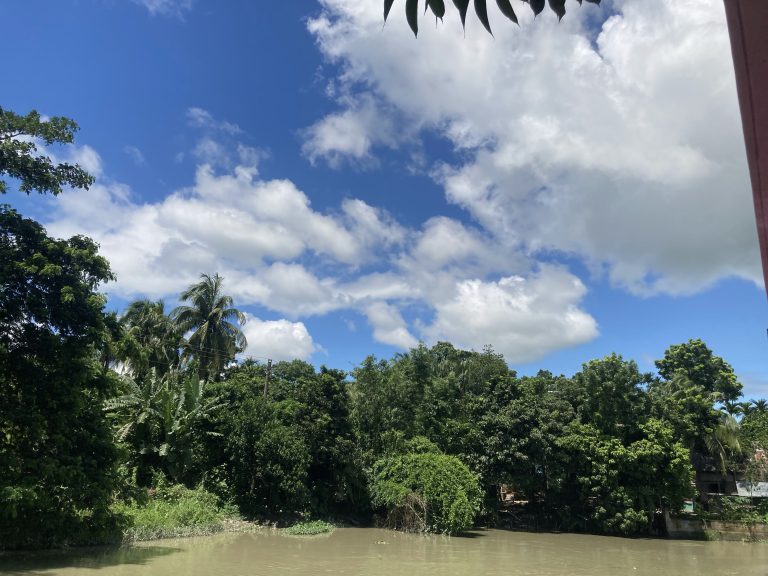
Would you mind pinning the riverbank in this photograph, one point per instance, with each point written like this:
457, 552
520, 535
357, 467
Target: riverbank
173, 511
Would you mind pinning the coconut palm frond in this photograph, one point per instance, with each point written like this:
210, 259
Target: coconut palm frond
437, 7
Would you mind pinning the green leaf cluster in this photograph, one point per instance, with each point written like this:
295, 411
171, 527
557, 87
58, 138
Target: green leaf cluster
447, 491
20, 158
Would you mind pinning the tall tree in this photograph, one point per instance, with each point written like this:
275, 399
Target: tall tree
56, 452
215, 325
696, 361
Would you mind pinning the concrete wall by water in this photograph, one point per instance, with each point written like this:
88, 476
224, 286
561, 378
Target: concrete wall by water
698, 529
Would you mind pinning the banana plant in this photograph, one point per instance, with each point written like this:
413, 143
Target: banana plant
157, 419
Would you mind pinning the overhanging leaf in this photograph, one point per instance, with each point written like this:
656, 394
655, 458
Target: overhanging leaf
412, 15
506, 8
463, 6
537, 6
558, 7
388, 7
482, 12
438, 7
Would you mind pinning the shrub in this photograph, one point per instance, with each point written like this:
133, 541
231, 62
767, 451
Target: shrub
426, 492
172, 511
309, 528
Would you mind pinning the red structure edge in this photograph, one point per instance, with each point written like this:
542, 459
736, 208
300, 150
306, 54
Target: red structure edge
748, 29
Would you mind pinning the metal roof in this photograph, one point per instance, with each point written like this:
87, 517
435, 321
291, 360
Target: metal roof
752, 489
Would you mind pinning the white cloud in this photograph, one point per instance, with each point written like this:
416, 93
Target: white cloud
175, 8
200, 118
212, 152
278, 339
274, 250
85, 156
521, 318
389, 326
136, 155
372, 226
349, 135
623, 148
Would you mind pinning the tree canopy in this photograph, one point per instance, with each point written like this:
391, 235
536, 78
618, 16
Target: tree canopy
20, 158
56, 452
215, 325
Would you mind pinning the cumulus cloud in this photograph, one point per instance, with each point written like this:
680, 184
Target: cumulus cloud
276, 251
389, 326
524, 318
228, 220
278, 339
349, 135
618, 142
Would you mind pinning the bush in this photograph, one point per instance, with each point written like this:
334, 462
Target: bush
173, 511
426, 492
737, 509
309, 528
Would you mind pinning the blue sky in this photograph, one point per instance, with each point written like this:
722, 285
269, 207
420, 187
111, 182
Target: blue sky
558, 191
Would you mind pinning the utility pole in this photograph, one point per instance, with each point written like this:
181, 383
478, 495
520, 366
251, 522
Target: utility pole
269, 373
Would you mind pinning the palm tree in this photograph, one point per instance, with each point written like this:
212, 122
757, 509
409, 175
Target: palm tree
214, 324
723, 441
760, 405
732, 408
150, 339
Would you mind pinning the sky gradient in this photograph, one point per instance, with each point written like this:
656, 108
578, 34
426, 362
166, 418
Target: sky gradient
556, 191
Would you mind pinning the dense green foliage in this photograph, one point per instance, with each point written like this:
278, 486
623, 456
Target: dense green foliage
426, 491
171, 511
56, 452
157, 421
423, 440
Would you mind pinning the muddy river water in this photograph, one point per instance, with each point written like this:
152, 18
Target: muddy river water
373, 552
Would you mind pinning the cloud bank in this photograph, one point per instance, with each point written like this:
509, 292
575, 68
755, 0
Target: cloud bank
613, 136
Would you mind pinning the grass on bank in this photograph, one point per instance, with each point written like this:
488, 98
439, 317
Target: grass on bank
173, 511
309, 528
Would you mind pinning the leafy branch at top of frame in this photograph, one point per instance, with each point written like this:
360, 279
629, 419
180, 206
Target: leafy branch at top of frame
481, 9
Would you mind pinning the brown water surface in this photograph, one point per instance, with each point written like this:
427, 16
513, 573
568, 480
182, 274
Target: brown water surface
372, 552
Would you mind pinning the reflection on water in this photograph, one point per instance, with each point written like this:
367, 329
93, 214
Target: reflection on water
90, 559
371, 552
